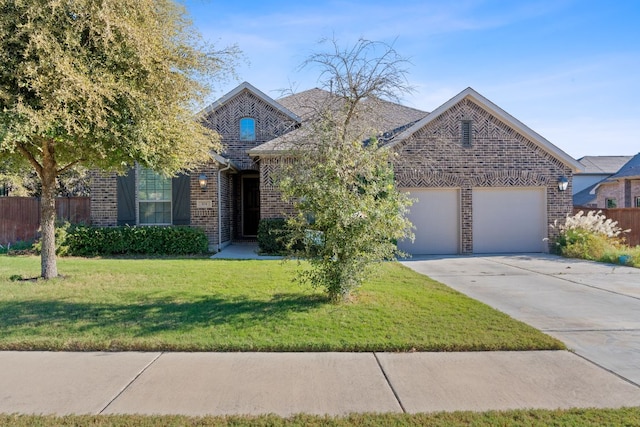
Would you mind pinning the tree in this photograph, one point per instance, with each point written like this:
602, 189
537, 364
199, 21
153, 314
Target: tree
102, 84
349, 214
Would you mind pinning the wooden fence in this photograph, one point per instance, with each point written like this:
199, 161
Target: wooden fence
628, 218
20, 216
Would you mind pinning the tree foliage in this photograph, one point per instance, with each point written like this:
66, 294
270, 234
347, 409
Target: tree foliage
101, 84
349, 214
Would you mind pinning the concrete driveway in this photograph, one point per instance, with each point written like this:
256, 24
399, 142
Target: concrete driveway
593, 308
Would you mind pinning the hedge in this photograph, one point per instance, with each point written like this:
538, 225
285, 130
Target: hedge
272, 236
136, 240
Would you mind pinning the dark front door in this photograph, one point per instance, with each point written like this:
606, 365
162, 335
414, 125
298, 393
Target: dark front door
250, 206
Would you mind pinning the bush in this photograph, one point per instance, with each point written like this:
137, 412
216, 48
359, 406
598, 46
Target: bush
17, 248
172, 240
592, 237
272, 236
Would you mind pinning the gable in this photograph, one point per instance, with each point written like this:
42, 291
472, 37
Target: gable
498, 155
245, 102
489, 123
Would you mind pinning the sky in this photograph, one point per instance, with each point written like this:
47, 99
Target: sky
568, 69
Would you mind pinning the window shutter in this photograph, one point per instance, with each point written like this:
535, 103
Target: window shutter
126, 197
181, 199
466, 133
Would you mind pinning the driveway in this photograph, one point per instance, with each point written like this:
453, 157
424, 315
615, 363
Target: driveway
593, 308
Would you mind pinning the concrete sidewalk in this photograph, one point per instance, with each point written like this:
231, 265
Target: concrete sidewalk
313, 383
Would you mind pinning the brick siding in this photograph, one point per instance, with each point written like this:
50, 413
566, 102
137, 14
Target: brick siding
498, 157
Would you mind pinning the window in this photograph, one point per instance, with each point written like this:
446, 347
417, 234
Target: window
610, 203
466, 128
637, 202
247, 129
154, 198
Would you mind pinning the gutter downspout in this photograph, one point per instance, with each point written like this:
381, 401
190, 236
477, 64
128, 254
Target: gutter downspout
220, 204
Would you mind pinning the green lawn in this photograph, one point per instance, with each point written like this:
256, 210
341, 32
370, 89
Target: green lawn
573, 417
215, 305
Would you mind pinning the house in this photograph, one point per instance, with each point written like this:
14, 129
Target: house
483, 181
620, 190
595, 169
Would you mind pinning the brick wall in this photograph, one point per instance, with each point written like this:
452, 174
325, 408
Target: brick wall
204, 203
498, 157
270, 123
271, 203
624, 191
104, 206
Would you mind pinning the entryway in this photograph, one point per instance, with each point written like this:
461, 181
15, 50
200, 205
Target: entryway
250, 205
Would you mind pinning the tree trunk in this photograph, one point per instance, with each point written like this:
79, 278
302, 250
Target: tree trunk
48, 263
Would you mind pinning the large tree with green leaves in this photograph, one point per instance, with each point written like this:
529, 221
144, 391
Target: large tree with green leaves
102, 84
349, 214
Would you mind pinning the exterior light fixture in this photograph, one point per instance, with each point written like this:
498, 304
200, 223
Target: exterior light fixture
563, 183
202, 179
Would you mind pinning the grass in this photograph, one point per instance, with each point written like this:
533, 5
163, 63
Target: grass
215, 305
572, 417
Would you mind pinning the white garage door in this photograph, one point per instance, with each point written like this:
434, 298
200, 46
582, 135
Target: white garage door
509, 220
436, 217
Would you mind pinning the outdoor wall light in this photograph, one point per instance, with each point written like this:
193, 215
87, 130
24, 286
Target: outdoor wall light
563, 183
202, 179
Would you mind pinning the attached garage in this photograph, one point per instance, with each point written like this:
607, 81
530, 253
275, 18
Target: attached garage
435, 215
509, 219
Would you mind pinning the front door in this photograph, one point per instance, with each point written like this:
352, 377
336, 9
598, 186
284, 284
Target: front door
250, 206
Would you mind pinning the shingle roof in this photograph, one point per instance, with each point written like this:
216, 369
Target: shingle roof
585, 197
381, 116
630, 169
607, 165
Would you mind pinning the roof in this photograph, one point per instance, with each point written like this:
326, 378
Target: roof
631, 169
585, 197
245, 86
500, 114
381, 117
605, 165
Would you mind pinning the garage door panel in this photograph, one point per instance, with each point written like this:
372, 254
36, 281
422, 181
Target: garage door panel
435, 215
509, 220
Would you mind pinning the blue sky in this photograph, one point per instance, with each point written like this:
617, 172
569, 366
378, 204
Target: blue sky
569, 69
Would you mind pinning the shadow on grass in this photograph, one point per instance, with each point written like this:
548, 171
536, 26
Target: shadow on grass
151, 317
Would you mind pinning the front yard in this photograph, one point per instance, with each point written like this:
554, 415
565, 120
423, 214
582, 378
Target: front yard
207, 305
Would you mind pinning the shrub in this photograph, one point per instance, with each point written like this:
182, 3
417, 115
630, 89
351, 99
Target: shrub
151, 240
591, 236
272, 236
61, 232
17, 248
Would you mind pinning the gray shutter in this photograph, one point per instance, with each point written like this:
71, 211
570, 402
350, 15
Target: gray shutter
126, 196
181, 199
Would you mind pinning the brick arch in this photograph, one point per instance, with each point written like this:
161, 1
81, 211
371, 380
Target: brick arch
508, 178
421, 178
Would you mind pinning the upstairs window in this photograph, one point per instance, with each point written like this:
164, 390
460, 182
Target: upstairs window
247, 129
154, 198
466, 132
611, 203
637, 202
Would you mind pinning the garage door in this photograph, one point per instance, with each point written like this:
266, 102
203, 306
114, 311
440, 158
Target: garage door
509, 220
436, 217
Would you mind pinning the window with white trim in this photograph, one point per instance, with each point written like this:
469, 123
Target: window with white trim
154, 198
637, 202
611, 203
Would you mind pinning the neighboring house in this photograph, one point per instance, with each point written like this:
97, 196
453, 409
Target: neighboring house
620, 190
483, 181
595, 169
